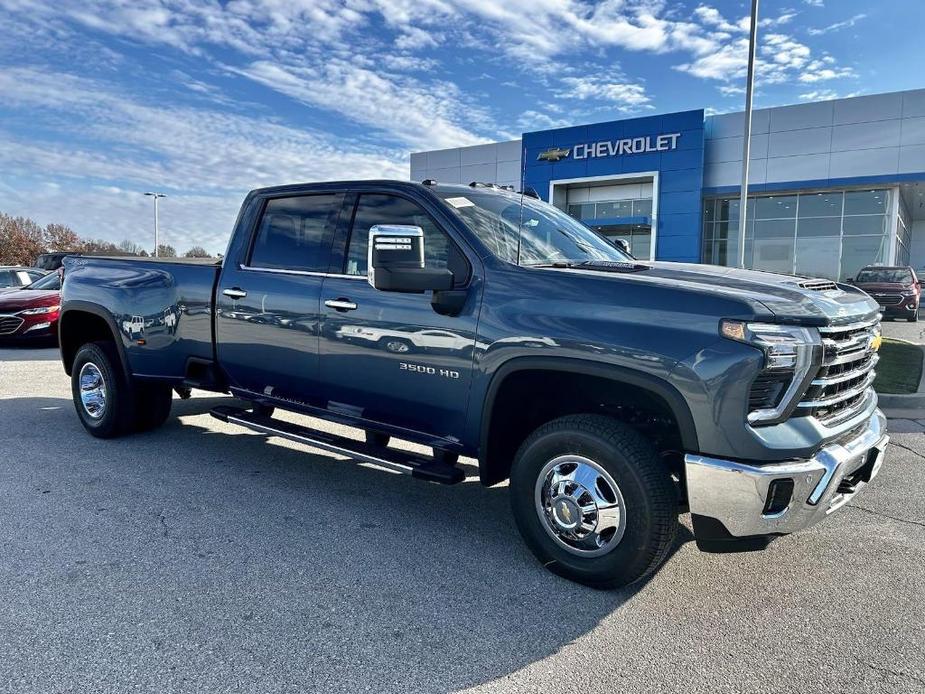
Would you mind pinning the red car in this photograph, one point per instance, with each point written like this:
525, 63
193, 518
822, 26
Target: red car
31, 313
896, 289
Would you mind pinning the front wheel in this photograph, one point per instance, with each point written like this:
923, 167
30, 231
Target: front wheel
593, 501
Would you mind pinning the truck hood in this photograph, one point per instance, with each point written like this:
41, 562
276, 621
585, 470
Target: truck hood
788, 298
28, 298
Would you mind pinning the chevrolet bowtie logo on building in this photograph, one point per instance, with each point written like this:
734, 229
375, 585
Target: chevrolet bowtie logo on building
554, 154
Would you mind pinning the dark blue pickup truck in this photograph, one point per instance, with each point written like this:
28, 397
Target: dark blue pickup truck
612, 394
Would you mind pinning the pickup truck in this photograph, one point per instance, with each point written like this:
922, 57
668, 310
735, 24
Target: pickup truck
612, 395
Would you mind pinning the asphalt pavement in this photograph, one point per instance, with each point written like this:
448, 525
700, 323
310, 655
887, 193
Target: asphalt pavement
202, 557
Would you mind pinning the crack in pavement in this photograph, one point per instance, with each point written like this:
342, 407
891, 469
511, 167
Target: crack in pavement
906, 448
897, 673
886, 515
163, 522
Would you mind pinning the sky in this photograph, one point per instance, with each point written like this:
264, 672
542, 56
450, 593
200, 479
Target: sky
102, 100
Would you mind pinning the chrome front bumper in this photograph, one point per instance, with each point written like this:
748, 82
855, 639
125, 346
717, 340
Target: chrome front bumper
736, 494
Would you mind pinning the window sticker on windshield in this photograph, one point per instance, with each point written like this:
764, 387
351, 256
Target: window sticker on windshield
460, 202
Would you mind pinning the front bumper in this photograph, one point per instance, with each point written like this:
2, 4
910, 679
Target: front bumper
730, 500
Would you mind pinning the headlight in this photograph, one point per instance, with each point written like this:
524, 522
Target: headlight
40, 310
791, 357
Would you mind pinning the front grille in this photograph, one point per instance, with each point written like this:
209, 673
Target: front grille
9, 324
887, 299
842, 386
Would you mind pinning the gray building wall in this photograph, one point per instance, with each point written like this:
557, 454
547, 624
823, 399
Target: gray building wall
496, 162
864, 136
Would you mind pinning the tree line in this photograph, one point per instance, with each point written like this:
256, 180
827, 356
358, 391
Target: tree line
22, 241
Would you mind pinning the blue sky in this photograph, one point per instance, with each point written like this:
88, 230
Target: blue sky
101, 100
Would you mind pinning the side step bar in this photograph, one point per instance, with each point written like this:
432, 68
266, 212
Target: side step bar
419, 466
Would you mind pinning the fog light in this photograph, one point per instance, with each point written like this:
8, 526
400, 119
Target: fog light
38, 326
780, 492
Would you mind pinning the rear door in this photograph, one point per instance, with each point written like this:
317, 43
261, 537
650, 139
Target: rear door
390, 357
267, 318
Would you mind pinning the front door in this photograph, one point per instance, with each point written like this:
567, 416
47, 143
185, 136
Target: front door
267, 322
389, 356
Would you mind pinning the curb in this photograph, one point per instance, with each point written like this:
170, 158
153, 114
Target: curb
909, 401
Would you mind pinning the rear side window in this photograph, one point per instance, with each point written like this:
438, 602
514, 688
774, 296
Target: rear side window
295, 233
6, 278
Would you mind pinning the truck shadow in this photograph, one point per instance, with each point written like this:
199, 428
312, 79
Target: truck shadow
297, 563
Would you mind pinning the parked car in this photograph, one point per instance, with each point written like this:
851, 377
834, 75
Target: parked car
17, 277
897, 289
31, 312
613, 394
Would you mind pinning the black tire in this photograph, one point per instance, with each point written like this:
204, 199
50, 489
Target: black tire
651, 508
377, 439
117, 414
152, 404
263, 410
914, 318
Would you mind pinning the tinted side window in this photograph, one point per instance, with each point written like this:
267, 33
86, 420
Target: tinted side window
389, 209
6, 278
295, 233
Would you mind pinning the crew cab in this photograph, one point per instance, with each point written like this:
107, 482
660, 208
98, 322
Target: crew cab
611, 394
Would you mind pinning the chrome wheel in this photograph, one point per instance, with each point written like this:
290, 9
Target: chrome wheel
92, 390
580, 505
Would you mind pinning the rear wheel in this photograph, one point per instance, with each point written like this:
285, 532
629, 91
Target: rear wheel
593, 501
152, 404
101, 393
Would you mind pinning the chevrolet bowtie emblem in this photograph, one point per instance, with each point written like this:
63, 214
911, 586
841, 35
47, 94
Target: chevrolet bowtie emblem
566, 511
553, 154
875, 342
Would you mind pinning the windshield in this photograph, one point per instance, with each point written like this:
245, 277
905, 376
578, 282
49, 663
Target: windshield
885, 275
548, 234
51, 281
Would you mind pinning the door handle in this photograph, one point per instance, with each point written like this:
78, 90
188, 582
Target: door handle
234, 293
341, 304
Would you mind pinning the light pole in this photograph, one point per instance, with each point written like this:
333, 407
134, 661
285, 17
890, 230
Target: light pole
156, 229
747, 143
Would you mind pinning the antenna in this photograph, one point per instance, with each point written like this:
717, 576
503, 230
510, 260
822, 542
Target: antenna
523, 176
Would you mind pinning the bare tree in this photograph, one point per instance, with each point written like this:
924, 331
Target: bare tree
130, 247
21, 240
60, 237
197, 252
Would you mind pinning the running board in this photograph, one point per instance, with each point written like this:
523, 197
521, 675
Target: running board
419, 466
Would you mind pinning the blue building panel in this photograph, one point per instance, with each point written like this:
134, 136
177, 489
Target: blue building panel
670, 145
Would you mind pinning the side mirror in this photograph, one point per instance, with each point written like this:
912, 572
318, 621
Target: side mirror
622, 245
850, 280
396, 261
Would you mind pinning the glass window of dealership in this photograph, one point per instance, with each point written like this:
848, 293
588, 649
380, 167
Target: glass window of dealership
834, 185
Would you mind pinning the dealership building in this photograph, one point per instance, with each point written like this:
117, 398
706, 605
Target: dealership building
833, 185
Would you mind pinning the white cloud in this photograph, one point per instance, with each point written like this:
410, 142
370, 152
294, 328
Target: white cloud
206, 159
837, 26
625, 96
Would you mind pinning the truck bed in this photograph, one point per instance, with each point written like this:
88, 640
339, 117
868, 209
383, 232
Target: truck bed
162, 309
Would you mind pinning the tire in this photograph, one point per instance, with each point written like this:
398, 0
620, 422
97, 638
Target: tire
641, 540
914, 318
110, 409
263, 410
152, 404
377, 439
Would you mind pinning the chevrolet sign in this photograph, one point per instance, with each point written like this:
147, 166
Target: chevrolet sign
613, 148
554, 154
